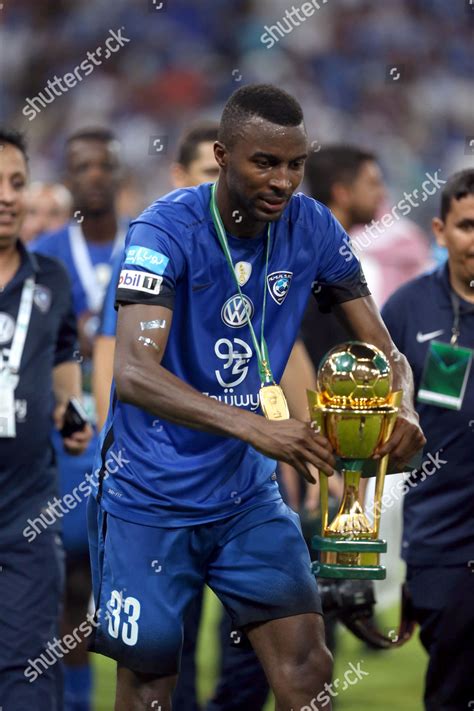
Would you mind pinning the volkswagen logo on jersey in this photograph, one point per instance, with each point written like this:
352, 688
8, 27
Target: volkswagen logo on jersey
279, 285
235, 310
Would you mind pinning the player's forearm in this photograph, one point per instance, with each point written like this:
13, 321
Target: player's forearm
170, 398
102, 374
67, 382
403, 380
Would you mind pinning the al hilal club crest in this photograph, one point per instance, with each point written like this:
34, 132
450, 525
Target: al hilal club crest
279, 285
243, 270
42, 298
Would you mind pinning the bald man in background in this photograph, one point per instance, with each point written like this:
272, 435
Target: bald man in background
48, 208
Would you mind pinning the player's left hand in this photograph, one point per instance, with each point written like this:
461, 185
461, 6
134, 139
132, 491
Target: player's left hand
78, 442
406, 440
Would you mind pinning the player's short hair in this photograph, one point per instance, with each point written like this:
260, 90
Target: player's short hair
92, 133
261, 100
14, 138
338, 163
202, 132
458, 186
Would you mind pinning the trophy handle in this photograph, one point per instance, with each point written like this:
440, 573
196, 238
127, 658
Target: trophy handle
379, 484
317, 416
395, 401
324, 500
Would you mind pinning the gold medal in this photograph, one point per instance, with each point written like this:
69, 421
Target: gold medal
273, 403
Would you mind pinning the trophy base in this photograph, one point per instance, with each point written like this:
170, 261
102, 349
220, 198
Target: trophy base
348, 572
348, 558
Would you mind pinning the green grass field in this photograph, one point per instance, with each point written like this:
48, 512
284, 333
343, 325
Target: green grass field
394, 681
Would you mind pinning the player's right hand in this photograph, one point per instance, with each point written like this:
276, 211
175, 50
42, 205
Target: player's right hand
294, 442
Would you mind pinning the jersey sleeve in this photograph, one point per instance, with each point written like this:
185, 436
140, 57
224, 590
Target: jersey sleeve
339, 275
42, 244
152, 266
108, 317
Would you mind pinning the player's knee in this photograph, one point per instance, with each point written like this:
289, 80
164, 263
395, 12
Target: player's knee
144, 690
323, 664
310, 673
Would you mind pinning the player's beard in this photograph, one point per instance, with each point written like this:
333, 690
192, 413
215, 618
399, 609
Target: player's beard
96, 211
361, 216
243, 208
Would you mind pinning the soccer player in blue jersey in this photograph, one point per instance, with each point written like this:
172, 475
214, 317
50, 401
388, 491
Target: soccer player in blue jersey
213, 287
242, 683
86, 246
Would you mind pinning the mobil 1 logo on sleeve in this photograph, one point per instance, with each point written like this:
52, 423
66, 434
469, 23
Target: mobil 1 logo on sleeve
140, 281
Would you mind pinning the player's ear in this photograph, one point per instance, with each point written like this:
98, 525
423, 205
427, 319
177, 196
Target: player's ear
341, 194
178, 176
437, 225
221, 154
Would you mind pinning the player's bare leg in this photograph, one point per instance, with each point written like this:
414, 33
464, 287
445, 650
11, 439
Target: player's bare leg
295, 658
143, 692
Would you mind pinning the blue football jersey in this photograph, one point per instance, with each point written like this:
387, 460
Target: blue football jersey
171, 475
58, 244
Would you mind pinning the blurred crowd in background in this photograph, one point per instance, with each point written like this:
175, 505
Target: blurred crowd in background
390, 76
393, 77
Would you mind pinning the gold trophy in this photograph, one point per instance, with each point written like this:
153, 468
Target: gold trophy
355, 408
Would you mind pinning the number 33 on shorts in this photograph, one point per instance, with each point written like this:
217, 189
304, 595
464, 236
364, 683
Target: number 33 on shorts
131, 609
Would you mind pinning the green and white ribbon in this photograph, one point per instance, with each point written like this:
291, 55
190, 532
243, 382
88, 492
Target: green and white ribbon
261, 349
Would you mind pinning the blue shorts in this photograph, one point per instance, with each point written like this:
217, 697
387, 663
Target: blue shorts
144, 578
31, 584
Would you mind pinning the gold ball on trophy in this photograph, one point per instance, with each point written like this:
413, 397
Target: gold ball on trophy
355, 375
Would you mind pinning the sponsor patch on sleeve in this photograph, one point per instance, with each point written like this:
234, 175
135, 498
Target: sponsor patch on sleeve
140, 281
148, 258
